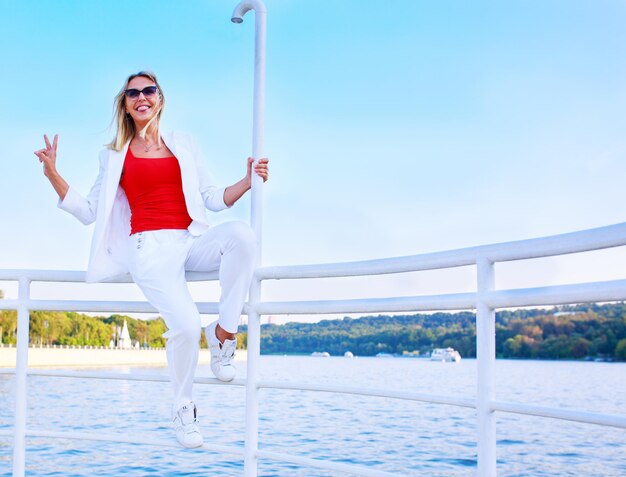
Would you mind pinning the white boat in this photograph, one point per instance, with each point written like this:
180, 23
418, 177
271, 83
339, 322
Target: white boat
445, 355
323, 354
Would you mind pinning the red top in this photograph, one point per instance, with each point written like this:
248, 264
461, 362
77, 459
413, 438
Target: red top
154, 189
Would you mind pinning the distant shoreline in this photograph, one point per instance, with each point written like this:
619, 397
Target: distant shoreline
425, 358
39, 357
42, 357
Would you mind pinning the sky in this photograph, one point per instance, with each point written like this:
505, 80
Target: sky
393, 128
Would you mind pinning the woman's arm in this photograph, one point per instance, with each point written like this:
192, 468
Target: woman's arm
234, 192
84, 209
48, 157
219, 198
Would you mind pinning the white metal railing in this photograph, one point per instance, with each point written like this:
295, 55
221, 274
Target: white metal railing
484, 300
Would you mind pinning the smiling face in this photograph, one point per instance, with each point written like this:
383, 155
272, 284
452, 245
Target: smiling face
142, 108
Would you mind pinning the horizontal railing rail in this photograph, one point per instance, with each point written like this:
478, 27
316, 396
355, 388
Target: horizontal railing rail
613, 290
578, 415
76, 276
123, 438
97, 306
573, 242
484, 300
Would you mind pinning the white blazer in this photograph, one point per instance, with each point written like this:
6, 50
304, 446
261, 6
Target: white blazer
107, 205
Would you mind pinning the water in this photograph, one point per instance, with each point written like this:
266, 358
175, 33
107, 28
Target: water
409, 438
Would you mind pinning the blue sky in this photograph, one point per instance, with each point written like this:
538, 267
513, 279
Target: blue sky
393, 128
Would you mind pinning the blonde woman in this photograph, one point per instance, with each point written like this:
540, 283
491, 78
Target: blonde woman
149, 206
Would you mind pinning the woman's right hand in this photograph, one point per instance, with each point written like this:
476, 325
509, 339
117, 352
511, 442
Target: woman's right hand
48, 156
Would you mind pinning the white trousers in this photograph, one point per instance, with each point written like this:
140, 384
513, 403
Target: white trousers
158, 260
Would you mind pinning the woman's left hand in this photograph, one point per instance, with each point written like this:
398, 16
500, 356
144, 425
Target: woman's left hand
234, 192
260, 168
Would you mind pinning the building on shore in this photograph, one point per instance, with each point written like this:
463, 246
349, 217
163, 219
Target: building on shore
121, 337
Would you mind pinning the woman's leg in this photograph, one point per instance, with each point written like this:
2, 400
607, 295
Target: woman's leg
157, 265
231, 247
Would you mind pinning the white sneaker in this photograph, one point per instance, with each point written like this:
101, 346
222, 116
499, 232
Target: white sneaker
186, 425
222, 354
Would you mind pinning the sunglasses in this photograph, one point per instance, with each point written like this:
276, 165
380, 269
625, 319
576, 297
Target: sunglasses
148, 91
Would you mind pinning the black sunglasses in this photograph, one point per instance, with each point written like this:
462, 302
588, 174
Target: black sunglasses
133, 93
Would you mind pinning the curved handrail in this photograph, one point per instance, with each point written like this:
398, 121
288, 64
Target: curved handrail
572, 242
561, 244
78, 276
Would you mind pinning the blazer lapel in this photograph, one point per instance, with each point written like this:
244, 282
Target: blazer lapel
188, 174
185, 156
114, 172
168, 139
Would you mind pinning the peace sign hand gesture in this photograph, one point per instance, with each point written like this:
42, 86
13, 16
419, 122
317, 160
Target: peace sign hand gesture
48, 156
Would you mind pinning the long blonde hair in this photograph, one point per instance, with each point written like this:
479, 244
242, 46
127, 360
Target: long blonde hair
125, 125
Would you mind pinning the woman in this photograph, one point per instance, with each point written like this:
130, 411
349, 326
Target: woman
149, 207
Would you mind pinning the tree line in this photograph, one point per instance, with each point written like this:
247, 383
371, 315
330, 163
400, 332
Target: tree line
78, 329
567, 332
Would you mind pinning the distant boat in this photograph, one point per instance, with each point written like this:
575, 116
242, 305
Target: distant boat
384, 355
324, 354
445, 355
348, 354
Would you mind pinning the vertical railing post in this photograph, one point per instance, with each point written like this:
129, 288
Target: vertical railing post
21, 368
486, 361
256, 220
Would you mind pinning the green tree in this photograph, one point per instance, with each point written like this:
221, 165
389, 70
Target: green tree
8, 322
620, 350
580, 348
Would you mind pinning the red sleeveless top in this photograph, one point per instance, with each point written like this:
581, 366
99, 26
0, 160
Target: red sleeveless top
154, 189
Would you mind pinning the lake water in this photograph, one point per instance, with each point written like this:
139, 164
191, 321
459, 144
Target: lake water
410, 438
